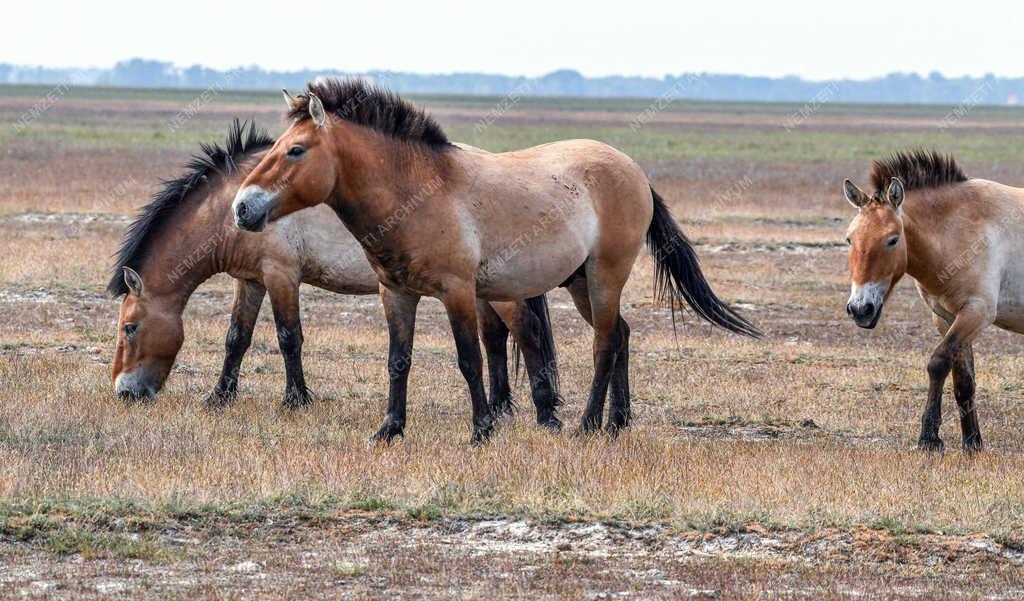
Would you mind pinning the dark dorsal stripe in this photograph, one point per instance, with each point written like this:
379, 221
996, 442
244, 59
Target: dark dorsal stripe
917, 169
243, 139
357, 102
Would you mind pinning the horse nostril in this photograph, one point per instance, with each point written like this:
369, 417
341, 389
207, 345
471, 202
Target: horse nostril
849, 309
242, 210
869, 309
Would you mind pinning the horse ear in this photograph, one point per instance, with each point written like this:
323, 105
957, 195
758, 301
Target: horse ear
316, 110
895, 193
288, 99
855, 195
134, 281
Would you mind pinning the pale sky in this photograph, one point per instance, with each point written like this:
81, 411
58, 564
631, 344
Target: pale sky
816, 40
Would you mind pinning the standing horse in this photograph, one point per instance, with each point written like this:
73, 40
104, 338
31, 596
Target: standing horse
961, 241
185, 235
456, 224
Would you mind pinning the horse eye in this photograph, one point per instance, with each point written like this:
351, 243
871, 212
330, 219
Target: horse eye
130, 329
296, 151
892, 241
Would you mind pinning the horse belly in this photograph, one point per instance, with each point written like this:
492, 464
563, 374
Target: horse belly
331, 257
1010, 312
529, 265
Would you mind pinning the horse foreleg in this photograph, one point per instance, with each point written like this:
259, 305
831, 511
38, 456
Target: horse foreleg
245, 309
963, 390
284, 299
494, 334
528, 332
972, 319
400, 311
461, 308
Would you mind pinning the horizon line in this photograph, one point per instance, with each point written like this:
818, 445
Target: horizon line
660, 77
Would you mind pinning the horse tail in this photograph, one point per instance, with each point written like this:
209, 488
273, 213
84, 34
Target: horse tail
677, 274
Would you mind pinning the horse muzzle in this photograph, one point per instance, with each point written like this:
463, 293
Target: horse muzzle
253, 207
865, 304
136, 386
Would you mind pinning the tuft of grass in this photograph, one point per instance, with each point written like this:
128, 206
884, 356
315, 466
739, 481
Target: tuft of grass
426, 513
372, 503
59, 535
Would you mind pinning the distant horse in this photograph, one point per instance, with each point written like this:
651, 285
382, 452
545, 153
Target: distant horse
456, 224
962, 241
185, 235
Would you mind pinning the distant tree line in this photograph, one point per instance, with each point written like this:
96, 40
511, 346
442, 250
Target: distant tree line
893, 88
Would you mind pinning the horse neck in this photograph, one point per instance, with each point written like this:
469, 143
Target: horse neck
373, 195
923, 230
192, 246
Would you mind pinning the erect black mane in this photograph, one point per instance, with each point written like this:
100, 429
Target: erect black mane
917, 169
243, 139
376, 108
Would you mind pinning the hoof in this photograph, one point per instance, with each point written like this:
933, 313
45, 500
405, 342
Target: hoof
589, 425
614, 430
297, 399
481, 435
587, 428
973, 445
931, 445
221, 398
552, 424
387, 433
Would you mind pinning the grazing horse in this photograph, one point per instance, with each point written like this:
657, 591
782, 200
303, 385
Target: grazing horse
961, 241
439, 220
186, 234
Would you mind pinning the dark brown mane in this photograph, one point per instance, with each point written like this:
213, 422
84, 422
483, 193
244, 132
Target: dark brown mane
917, 169
243, 139
376, 108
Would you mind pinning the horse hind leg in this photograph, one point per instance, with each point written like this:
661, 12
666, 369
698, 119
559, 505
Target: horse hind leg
619, 412
599, 305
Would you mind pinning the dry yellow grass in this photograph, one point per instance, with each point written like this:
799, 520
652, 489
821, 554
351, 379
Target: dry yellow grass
64, 436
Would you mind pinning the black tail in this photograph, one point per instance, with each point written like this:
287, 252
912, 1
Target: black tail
677, 274
538, 307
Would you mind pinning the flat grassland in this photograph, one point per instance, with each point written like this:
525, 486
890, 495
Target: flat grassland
777, 468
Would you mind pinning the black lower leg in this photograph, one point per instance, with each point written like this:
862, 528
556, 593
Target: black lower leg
542, 389
541, 366
938, 369
462, 316
604, 364
289, 338
619, 412
284, 298
495, 337
401, 315
964, 390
